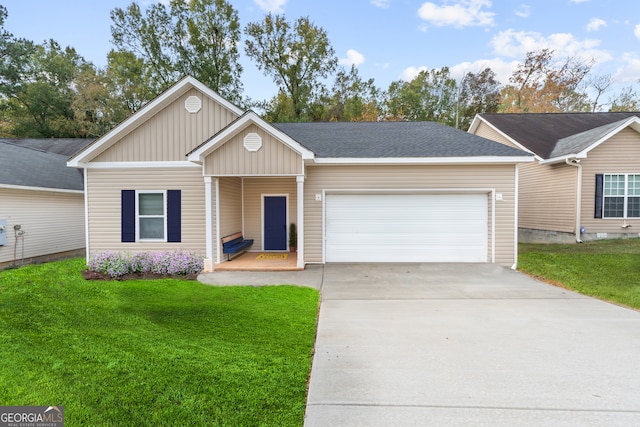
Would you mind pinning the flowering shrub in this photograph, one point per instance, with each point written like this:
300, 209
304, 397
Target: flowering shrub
172, 263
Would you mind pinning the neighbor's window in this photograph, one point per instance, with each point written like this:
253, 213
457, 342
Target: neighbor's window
621, 196
152, 224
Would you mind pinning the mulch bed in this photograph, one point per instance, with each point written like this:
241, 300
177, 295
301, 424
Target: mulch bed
96, 275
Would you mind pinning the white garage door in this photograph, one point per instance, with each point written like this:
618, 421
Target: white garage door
406, 228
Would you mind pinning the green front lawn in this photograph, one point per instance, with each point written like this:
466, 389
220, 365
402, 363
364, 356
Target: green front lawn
607, 269
157, 352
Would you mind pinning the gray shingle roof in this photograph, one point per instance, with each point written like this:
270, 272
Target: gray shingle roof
65, 146
552, 135
392, 139
30, 167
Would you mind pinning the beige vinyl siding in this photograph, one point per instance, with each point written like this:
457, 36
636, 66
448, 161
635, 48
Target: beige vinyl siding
230, 190
254, 189
274, 158
547, 197
486, 131
620, 154
423, 178
53, 222
104, 203
171, 133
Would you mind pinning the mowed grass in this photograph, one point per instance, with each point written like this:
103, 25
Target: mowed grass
159, 352
606, 269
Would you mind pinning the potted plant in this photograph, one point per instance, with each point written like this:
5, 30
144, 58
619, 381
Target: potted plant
293, 237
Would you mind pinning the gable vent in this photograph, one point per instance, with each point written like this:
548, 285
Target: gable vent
252, 142
193, 104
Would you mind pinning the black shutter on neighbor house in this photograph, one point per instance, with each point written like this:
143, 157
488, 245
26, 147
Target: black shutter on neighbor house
174, 216
599, 195
128, 213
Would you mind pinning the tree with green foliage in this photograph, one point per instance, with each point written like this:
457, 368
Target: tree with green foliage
38, 88
479, 93
430, 96
197, 38
352, 99
297, 56
628, 99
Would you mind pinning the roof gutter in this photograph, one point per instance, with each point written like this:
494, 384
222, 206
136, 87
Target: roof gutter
576, 163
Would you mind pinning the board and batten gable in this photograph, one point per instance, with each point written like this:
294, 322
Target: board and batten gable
104, 192
419, 178
53, 222
233, 159
171, 133
618, 154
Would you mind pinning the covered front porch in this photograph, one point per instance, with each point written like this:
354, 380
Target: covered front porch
263, 209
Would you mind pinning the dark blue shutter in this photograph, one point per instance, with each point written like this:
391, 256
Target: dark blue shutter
174, 216
599, 195
128, 216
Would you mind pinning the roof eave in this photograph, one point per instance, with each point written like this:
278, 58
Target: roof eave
423, 160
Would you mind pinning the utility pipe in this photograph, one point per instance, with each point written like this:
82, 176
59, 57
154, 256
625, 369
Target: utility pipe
576, 163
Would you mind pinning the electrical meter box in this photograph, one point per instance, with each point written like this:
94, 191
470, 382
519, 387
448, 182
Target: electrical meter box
3, 232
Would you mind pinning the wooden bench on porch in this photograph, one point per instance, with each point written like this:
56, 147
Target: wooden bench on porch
234, 244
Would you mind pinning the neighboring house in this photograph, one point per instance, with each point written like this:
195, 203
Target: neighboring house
41, 201
585, 182
190, 168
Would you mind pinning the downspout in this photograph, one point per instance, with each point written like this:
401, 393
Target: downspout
576, 163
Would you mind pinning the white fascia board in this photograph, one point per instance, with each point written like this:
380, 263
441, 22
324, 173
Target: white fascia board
474, 126
181, 87
250, 117
50, 190
139, 165
562, 159
423, 160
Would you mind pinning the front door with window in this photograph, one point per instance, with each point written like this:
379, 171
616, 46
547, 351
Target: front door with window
275, 223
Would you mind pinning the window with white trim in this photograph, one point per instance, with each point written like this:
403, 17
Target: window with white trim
151, 215
621, 196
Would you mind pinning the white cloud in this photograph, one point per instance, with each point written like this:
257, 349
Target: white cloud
461, 13
636, 31
579, 1
500, 67
523, 11
595, 24
515, 44
630, 70
410, 73
381, 3
353, 58
271, 6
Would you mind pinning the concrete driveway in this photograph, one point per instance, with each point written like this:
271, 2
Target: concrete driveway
468, 344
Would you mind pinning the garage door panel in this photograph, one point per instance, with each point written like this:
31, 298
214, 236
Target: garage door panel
406, 228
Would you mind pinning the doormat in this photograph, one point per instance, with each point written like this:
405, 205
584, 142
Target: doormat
273, 256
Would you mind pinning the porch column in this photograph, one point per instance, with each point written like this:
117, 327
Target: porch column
300, 205
208, 229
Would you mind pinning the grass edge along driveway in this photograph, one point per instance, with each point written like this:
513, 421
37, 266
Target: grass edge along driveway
605, 269
161, 352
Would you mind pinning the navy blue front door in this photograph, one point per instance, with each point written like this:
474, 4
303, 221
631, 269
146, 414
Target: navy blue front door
275, 223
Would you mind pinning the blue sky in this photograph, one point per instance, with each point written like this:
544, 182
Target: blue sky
392, 39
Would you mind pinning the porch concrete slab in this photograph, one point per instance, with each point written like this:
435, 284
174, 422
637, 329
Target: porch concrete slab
311, 276
468, 345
